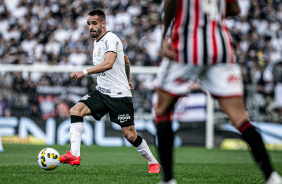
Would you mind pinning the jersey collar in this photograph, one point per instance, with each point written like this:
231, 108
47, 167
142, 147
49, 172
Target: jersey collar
102, 36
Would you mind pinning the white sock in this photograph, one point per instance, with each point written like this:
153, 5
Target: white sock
76, 130
144, 150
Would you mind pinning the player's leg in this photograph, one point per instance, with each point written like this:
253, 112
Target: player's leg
142, 147
77, 113
165, 134
234, 108
121, 112
90, 104
224, 82
173, 80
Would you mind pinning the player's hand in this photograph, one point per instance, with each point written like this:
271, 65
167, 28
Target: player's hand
168, 50
77, 75
131, 86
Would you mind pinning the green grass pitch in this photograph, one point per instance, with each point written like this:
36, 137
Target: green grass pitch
124, 165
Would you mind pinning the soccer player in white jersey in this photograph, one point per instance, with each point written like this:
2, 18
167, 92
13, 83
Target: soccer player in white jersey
112, 94
199, 47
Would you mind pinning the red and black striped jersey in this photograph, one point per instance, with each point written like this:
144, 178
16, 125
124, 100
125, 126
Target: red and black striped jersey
199, 33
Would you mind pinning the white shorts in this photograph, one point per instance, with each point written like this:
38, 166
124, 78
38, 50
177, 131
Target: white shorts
221, 80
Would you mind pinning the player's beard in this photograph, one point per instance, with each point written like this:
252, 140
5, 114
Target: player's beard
98, 33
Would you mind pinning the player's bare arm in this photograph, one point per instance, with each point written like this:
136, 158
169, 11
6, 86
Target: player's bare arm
107, 64
127, 67
169, 7
127, 70
232, 8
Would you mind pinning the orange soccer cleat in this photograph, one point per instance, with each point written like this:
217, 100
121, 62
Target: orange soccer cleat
70, 159
154, 168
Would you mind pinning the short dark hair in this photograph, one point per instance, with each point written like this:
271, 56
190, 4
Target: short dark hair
98, 12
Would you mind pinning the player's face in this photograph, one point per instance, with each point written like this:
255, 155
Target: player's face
95, 26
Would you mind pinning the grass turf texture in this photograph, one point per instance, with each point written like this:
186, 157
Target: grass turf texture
18, 164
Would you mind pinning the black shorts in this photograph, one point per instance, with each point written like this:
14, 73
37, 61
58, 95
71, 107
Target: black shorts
120, 109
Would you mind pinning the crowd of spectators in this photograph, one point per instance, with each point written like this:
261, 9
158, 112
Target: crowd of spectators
257, 36
54, 32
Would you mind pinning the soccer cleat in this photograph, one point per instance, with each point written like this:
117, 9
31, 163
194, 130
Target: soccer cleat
70, 159
274, 178
154, 168
172, 181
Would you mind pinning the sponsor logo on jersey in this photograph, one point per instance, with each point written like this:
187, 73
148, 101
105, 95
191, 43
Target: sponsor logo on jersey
234, 79
123, 117
101, 74
103, 90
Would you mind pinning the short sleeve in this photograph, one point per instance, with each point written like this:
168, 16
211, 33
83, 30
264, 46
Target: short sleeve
111, 44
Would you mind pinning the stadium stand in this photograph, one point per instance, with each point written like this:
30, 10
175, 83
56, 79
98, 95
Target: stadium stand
54, 32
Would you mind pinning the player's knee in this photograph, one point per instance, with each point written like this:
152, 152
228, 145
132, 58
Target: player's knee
163, 111
130, 137
80, 109
160, 112
76, 111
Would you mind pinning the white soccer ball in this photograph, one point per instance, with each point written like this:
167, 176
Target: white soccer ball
48, 159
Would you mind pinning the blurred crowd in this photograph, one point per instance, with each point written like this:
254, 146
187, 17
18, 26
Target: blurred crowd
257, 37
54, 32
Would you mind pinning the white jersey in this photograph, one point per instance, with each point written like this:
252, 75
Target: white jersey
112, 82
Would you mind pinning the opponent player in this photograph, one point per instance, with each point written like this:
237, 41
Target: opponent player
112, 94
199, 47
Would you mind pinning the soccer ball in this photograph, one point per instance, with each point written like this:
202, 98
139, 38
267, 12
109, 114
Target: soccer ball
48, 159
